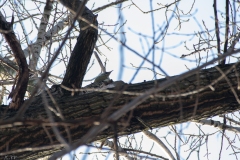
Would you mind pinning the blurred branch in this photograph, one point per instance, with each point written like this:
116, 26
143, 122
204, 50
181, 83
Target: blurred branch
41, 35
99, 9
164, 6
18, 92
103, 69
9, 63
217, 28
50, 33
138, 101
46, 72
226, 31
219, 125
216, 102
121, 151
162, 146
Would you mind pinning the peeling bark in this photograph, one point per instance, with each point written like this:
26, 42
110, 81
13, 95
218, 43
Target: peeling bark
41, 34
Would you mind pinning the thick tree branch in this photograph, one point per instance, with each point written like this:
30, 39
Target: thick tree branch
84, 116
46, 72
81, 112
80, 58
83, 50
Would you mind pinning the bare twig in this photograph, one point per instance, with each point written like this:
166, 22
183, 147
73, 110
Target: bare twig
108, 5
121, 151
216, 27
226, 31
160, 143
219, 125
103, 69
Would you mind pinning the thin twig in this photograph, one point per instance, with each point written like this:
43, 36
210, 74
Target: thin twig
217, 28
160, 143
226, 31
103, 69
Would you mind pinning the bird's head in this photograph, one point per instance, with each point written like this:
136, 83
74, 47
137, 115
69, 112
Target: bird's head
101, 77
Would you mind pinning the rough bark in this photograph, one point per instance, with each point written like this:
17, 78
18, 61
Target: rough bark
80, 58
32, 137
83, 49
80, 111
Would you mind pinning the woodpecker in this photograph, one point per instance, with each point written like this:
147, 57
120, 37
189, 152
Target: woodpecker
100, 81
102, 77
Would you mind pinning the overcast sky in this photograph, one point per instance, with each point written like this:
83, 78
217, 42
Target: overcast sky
139, 30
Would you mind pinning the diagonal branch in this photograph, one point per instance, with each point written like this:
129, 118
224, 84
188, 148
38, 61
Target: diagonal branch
19, 91
162, 146
83, 49
44, 75
81, 111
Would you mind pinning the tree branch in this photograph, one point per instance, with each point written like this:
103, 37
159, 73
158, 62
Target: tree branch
217, 28
81, 112
226, 31
19, 91
83, 50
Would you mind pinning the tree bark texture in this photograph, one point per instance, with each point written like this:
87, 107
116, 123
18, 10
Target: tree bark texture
80, 58
80, 111
83, 49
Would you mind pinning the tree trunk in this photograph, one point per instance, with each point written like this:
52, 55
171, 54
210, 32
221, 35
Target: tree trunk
80, 58
83, 50
80, 112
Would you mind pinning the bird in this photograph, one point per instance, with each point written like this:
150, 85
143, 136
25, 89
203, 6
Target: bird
99, 82
102, 77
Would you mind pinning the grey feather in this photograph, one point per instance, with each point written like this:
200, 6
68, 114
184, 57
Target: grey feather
101, 77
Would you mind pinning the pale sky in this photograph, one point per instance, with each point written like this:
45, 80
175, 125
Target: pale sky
166, 55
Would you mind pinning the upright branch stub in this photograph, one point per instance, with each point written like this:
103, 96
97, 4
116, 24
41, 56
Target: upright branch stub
83, 49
